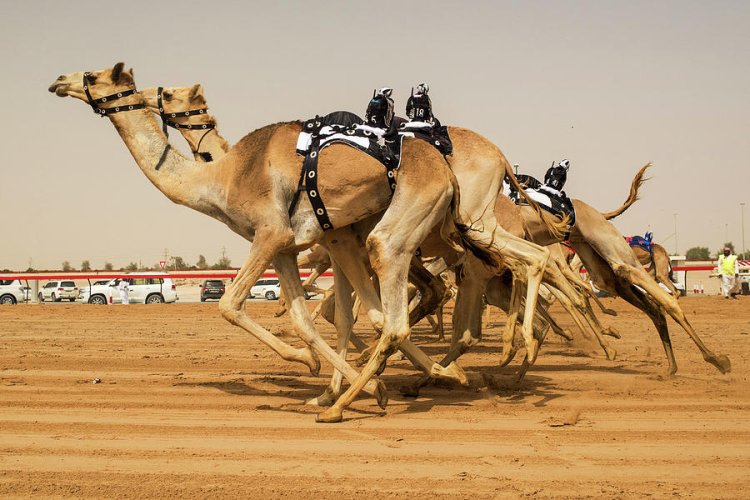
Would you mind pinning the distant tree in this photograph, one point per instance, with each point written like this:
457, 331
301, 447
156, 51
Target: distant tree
66, 266
178, 263
108, 266
85, 266
222, 263
201, 264
133, 266
698, 253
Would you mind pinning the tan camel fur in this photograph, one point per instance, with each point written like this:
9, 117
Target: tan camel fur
614, 268
658, 265
176, 100
251, 197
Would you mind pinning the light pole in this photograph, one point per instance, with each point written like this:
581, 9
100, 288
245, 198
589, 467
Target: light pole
515, 167
742, 211
675, 234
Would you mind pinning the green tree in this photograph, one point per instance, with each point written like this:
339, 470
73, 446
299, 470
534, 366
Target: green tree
66, 266
222, 263
178, 263
698, 253
201, 264
108, 266
133, 266
85, 266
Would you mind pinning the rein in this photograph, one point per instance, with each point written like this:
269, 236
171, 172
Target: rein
95, 103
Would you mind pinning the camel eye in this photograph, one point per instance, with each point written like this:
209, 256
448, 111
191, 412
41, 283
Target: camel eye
167, 95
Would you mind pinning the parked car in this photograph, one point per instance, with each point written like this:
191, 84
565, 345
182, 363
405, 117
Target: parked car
141, 290
57, 291
270, 288
212, 289
11, 292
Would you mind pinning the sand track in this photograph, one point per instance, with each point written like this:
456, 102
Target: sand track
190, 406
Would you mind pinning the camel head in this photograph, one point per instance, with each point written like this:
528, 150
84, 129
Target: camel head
175, 99
100, 83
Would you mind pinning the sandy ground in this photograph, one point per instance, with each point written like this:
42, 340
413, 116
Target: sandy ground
190, 406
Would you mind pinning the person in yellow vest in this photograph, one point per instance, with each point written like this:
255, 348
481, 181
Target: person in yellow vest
728, 271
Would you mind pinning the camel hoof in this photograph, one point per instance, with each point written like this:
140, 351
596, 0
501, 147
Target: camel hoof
565, 334
532, 349
611, 332
381, 394
326, 399
721, 362
508, 356
331, 416
309, 358
451, 372
611, 353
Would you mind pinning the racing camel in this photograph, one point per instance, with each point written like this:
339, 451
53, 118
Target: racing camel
251, 188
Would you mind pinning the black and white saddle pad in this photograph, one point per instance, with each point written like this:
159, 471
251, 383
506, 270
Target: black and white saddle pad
553, 201
347, 128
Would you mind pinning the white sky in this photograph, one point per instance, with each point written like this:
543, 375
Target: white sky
609, 85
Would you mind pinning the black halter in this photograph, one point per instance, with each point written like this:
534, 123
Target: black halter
113, 97
165, 117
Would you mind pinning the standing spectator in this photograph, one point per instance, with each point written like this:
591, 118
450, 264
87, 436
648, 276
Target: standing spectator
123, 286
728, 271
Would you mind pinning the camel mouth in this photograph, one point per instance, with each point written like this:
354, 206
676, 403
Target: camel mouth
59, 89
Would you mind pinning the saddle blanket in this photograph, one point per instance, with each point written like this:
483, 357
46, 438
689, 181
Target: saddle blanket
382, 144
553, 201
643, 242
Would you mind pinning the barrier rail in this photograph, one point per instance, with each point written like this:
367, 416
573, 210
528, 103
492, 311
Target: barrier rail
111, 275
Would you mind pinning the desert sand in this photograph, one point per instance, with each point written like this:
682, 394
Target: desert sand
189, 406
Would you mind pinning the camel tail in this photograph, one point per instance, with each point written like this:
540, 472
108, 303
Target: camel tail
558, 228
638, 180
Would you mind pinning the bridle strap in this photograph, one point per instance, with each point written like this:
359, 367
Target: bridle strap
94, 103
165, 117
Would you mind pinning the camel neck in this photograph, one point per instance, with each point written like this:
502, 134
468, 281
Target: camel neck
202, 142
176, 176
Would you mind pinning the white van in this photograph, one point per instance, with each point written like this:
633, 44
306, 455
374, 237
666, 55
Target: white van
141, 290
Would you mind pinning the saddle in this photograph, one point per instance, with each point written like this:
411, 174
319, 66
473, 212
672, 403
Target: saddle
553, 201
383, 144
644, 242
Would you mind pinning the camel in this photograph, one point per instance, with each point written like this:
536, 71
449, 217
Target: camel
614, 269
250, 190
179, 106
658, 265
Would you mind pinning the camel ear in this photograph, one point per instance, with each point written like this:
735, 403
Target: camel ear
196, 91
117, 71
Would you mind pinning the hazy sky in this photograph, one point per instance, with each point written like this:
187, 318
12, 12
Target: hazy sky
608, 85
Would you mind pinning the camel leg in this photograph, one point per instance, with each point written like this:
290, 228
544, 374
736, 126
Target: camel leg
534, 259
509, 347
640, 278
609, 351
344, 322
606, 279
347, 252
391, 245
286, 268
232, 303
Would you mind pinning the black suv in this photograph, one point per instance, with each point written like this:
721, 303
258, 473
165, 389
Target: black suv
212, 289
